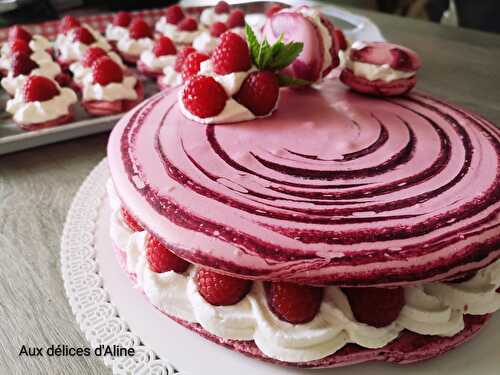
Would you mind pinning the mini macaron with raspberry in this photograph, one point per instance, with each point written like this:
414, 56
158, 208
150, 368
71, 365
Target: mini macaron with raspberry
380, 68
109, 89
138, 39
152, 62
41, 103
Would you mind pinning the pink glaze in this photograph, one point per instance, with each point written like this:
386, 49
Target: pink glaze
334, 188
408, 348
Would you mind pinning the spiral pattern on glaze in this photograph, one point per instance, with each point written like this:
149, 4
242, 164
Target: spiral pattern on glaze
335, 188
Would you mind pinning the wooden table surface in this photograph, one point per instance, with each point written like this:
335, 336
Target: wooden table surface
38, 185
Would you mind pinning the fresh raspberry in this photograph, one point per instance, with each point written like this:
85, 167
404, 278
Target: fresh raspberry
67, 23
217, 29
221, 290
161, 259
273, 9
294, 303
377, 307
122, 19
188, 24
22, 64
139, 29
191, 65
18, 32
221, 7
105, 71
83, 35
174, 14
164, 46
91, 55
131, 221
19, 46
231, 54
39, 89
259, 92
340, 40
204, 97
181, 57
236, 19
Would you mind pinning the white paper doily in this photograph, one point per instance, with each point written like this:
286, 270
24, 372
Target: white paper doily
111, 312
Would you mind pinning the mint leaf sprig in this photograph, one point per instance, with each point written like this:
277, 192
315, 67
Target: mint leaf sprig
275, 57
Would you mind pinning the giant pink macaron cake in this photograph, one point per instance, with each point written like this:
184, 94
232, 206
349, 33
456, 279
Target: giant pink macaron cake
339, 228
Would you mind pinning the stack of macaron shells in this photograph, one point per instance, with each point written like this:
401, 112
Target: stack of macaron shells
321, 40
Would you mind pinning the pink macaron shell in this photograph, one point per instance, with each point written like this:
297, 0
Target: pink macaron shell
296, 27
383, 53
377, 87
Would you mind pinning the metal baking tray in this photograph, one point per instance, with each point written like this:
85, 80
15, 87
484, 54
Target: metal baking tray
13, 139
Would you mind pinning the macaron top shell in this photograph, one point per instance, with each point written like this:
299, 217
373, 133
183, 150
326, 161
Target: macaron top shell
383, 53
334, 188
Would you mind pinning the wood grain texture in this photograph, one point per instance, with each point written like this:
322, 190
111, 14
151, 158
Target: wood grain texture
37, 187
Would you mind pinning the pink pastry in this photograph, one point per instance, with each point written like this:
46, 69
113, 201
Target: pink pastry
380, 68
138, 39
118, 28
311, 245
307, 25
41, 103
108, 90
152, 62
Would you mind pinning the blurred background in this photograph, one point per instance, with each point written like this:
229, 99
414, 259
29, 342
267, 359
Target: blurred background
477, 14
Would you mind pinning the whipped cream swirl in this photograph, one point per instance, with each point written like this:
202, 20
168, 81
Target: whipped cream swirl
208, 17
154, 62
115, 33
205, 43
173, 32
134, 47
430, 309
124, 90
170, 77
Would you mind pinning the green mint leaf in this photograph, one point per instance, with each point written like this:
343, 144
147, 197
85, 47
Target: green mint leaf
271, 57
290, 81
266, 55
286, 55
253, 43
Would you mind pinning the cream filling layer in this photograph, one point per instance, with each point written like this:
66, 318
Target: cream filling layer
208, 17
124, 90
430, 309
177, 36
